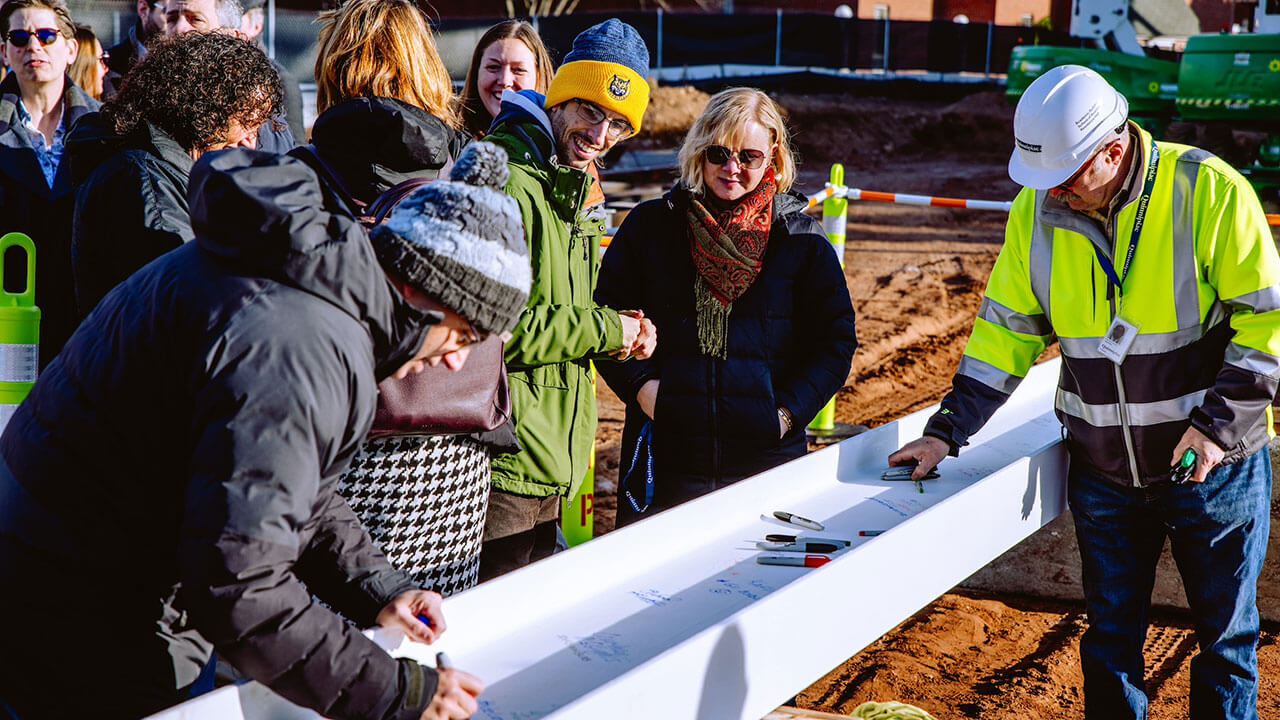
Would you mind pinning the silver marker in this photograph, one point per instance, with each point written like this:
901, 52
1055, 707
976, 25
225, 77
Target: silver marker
803, 522
805, 547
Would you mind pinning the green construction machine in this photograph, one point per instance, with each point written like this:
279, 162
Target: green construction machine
1222, 84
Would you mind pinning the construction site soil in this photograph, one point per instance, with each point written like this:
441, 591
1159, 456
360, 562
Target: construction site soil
916, 276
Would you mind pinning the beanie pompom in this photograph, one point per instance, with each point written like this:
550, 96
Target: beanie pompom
482, 164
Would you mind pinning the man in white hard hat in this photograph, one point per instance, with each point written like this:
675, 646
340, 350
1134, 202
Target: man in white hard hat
1153, 266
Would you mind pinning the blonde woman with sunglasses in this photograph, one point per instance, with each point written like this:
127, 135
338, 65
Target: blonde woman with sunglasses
38, 107
749, 299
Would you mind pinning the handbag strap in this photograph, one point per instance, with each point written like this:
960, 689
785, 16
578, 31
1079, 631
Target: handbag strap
382, 206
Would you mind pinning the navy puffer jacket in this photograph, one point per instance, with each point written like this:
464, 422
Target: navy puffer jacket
790, 342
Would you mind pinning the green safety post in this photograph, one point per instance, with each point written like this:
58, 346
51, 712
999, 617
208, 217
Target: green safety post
577, 514
19, 332
835, 218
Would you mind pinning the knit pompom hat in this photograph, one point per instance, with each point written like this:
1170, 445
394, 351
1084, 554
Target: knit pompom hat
607, 66
462, 242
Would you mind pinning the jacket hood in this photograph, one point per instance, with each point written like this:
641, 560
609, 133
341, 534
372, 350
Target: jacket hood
92, 141
76, 104
375, 143
523, 117
266, 215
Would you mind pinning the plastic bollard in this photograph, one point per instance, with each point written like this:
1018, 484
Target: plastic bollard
835, 218
19, 333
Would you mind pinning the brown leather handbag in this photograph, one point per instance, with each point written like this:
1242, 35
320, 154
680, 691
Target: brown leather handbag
440, 401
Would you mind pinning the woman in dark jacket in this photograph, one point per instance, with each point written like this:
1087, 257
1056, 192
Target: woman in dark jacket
388, 114
39, 105
755, 325
192, 94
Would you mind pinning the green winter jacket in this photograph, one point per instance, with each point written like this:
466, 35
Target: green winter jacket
548, 357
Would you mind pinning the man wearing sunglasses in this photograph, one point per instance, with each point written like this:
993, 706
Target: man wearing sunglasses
1152, 265
38, 108
596, 99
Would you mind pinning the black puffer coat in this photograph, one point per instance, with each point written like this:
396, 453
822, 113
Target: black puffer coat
28, 205
131, 204
375, 143
790, 341
170, 482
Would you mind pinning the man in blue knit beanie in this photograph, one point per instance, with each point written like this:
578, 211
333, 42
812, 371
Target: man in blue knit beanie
596, 99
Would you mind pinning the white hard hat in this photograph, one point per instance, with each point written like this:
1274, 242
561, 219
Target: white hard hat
1062, 118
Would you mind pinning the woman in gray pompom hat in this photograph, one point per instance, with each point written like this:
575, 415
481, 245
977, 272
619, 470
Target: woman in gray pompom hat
455, 247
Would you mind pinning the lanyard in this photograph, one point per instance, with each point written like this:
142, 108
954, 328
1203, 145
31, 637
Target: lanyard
1148, 183
644, 446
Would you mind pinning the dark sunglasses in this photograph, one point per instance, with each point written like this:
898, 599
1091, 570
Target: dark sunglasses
46, 36
749, 159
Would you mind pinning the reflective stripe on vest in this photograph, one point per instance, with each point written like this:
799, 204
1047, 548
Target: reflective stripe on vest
988, 374
997, 314
1186, 292
1140, 414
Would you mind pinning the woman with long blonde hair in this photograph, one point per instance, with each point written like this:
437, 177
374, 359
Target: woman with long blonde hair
754, 320
388, 115
382, 48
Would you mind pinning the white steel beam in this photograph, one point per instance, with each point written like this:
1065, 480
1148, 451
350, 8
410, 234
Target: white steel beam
672, 617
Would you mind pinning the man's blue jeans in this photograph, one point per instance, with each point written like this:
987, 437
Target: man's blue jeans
1218, 534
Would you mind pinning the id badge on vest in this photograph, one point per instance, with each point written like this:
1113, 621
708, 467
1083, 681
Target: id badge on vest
1119, 338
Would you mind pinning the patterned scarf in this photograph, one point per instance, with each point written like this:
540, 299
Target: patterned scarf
728, 249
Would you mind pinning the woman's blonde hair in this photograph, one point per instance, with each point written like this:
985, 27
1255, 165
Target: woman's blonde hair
382, 48
723, 122
83, 72
474, 113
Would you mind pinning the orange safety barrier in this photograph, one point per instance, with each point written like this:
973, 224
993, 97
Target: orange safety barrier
903, 199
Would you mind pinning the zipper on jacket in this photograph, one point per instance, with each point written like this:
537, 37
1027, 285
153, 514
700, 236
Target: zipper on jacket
574, 233
1122, 403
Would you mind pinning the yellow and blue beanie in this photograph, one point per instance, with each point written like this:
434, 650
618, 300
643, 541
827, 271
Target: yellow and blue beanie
607, 66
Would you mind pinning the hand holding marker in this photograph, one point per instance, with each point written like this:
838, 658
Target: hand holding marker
903, 472
1186, 467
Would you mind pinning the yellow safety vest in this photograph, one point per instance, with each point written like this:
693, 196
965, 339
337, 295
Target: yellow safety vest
1203, 287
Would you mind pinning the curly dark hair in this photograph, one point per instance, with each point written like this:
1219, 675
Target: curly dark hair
194, 86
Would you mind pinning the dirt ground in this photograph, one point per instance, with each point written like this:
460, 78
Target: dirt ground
916, 277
